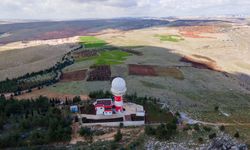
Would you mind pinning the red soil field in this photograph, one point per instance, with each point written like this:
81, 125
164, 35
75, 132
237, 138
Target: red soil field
85, 54
201, 63
74, 76
195, 31
143, 70
99, 73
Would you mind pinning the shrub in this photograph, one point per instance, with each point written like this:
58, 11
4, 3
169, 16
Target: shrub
216, 108
196, 127
149, 130
99, 132
76, 99
200, 139
121, 125
118, 136
206, 128
222, 128
237, 135
177, 114
211, 136
85, 131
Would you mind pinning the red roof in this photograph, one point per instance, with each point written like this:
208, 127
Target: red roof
103, 102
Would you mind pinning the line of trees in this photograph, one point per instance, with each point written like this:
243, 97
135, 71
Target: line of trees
17, 85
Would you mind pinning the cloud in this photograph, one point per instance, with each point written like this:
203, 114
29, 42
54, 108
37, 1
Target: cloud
79, 9
114, 3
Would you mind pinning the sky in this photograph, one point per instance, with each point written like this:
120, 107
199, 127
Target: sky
82, 9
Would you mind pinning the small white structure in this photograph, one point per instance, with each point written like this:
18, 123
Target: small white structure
74, 108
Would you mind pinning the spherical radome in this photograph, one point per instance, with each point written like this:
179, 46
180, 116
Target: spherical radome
118, 86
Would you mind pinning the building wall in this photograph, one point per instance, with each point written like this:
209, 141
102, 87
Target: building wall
107, 113
116, 124
99, 110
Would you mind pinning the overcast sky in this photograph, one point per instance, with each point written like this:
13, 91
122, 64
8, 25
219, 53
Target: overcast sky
80, 9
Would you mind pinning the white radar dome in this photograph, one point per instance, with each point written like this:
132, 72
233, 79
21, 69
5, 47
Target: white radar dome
118, 86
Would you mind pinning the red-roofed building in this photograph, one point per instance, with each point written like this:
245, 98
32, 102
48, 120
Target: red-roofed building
103, 106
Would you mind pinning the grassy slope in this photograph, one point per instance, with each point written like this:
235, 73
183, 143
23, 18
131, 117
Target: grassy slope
113, 57
90, 41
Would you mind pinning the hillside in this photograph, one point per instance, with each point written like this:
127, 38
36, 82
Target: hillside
193, 66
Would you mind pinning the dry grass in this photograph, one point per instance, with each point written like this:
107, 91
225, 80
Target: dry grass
14, 63
202, 62
49, 94
170, 72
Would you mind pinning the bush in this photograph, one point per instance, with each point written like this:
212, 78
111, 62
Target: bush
149, 130
206, 128
99, 132
85, 131
196, 127
216, 108
237, 135
177, 114
211, 136
118, 136
222, 128
121, 125
200, 139
76, 99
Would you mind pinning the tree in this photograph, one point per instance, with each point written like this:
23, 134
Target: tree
1, 122
76, 119
177, 114
163, 132
196, 127
149, 130
237, 135
76, 99
118, 136
200, 139
211, 136
85, 131
216, 108
206, 128
121, 125
222, 128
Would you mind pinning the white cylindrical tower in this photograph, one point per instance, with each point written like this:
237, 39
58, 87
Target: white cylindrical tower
118, 89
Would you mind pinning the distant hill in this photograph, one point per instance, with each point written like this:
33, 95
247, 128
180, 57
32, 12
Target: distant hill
63, 29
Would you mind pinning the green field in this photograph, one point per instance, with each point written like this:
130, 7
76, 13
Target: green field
170, 38
113, 57
92, 42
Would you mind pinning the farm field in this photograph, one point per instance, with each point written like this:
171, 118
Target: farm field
91, 41
108, 57
150, 70
99, 73
74, 76
170, 38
